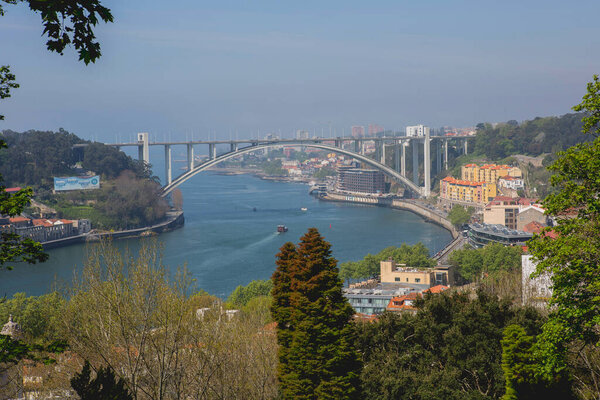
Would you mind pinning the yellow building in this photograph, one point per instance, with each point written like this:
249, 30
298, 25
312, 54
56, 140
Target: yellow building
467, 191
489, 173
391, 272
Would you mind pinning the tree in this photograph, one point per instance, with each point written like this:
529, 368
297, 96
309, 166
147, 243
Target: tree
459, 216
521, 372
105, 386
492, 259
571, 254
243, 294
318, 359
450, 349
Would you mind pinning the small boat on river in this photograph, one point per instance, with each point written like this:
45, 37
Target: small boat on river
304, 209
281, 228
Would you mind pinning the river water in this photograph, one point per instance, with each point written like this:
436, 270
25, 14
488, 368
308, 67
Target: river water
225, 243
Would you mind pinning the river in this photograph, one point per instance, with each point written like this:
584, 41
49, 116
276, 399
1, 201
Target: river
225, 243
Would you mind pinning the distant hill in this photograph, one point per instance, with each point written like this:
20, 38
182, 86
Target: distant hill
33, 158
535, 137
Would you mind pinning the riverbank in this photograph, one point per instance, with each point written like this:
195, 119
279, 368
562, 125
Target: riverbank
428, 214
174, 220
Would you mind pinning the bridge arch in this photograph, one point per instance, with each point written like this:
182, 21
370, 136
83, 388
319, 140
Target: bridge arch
390, 172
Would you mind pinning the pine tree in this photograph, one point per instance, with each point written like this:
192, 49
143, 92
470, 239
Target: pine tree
105, 386
318, 358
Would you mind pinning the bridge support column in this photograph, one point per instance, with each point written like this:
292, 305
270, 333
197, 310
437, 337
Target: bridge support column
190, 156
466, 147
397, 157
168, 176
356, 146
362, 148
143, 150
382, 152
446, 154
427, 163
212, 151
233, 147
415, 167
438, 153
403, 160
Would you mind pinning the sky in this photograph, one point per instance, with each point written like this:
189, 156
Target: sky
198, 69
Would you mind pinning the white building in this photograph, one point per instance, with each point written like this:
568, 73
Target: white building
534, 291
511, 182
417, 130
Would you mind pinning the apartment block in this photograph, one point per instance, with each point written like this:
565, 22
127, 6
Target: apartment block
479, 192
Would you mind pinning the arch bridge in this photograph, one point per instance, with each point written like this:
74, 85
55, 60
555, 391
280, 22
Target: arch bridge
337, 145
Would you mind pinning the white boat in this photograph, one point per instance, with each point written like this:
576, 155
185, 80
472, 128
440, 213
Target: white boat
304, 209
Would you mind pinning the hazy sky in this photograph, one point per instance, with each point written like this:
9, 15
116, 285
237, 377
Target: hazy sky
184, 67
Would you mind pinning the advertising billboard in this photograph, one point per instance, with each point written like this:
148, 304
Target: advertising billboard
77, 183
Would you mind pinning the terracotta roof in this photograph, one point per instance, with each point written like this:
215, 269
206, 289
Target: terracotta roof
18, 219
51, 222
436, 289
455, 181
12, 190
533, 227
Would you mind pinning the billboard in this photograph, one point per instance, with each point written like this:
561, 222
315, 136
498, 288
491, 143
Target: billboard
77, 183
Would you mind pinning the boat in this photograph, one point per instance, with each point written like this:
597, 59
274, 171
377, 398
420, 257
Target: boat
281, 228
304, 209
254, 209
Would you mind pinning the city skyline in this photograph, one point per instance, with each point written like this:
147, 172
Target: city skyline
189, 69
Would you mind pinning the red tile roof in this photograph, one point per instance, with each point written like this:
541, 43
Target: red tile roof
436, 289
533, 227
12, 190
15, 220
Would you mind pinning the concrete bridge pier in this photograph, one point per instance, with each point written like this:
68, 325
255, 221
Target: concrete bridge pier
168, 173
403, 160
356, 146
466, 147
446, 154
415, 166
397, 156
427, 163
212, 151
438, 153
382, 152
233, 147
143, 149
190, 156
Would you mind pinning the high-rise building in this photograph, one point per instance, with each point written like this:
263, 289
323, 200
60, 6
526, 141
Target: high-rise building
374, 129
302, 134
417, 130
358, 131
360, 180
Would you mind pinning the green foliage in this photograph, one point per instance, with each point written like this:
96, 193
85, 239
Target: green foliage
521, 367
317, 358
416, 256
39, 316
273, 168
243, 294
111, 162
13, 248
535, 137
324, 172
7, 82
449, 350
70, 22
105, 386
459, 216
492, 259
591, 108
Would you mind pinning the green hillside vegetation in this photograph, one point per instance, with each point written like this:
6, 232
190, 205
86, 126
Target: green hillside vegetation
33, 158
493, 259
129, 196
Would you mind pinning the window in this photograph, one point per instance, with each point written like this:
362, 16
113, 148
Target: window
417, 280
397, 279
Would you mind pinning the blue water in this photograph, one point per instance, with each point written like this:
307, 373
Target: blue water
225, 243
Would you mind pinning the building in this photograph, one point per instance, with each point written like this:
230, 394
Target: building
467, 191
374, 300
481, 234
534, 291
358, 180
406, 303
358, 131
531, 213
510, 182
489, 173
423, 278
502, 211
302, 134
374, 129
417, 130
44, 230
